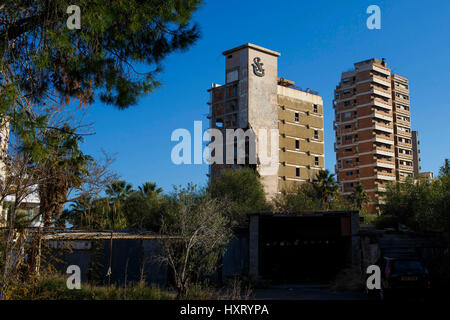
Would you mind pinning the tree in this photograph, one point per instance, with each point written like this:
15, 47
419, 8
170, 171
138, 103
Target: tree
118, 191
144, 209
242, 192
66, 164
43, 58
359, 196
197, 233
149, 188
421, 205
300, 197
325, 187
445, 169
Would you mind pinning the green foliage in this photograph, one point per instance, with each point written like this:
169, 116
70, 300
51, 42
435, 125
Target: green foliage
199, 234
358, 197
46, 58
241, 191
325, 187
143, 209
320, 194
422, 205
445, 169
122, 208
301, 197
55, 288
368, 217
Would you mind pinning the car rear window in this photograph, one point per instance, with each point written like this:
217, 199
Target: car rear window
406, 266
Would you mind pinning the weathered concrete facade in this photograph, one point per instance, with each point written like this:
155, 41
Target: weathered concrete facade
255, 98
373, 129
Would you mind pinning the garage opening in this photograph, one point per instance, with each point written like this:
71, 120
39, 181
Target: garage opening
303, 247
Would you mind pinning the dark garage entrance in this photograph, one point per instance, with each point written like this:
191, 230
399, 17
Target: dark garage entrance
303, 247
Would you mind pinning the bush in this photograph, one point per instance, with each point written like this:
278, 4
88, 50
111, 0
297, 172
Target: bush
55, 288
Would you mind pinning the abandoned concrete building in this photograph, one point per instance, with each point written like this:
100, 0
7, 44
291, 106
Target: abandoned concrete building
255, 97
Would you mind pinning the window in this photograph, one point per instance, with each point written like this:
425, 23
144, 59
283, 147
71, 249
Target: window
297, 144
316, 161
347, 114
315, 108
348, 138
348, 149
297, 116
348, 126
297, 172
316, 134
346, 103
349, 173
348, 161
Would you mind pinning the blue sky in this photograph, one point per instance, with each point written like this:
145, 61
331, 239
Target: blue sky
318, 40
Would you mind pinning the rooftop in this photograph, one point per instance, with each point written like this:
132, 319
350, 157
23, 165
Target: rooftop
252, 46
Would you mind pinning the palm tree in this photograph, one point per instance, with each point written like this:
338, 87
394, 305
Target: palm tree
149, 188
63, 165
118, 191
359, 196
325, 186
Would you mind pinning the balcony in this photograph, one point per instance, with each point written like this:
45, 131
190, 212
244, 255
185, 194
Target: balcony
381, 92
381, 70
380, 80
385, 164
383, 151
382, 104
383, 128
385, 176
381, 116
383, 140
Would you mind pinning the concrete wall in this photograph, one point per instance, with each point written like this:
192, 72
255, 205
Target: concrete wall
126, 259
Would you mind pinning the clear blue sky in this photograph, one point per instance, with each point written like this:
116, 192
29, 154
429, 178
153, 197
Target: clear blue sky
317, 40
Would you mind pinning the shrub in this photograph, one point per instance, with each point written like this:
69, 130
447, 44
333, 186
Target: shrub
55, 288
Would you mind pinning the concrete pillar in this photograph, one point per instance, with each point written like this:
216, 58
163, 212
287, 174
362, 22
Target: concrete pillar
356, 240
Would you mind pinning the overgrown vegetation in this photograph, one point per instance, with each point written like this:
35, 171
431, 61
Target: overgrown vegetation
421, 205
55, 288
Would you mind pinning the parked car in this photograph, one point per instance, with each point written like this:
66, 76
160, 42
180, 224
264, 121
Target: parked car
403, 277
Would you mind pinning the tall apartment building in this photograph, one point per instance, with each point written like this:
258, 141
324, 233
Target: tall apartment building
416, 154
254, 97
404, 162
373, 128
